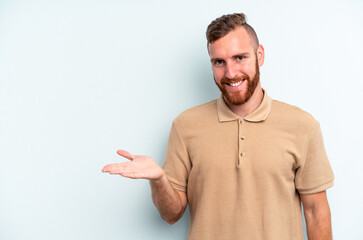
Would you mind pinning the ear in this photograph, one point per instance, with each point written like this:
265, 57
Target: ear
208, 48
260, 55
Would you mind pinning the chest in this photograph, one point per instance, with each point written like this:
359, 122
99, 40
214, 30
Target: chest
256, 149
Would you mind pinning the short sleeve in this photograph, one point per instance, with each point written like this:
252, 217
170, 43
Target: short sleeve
177, 164
315, 173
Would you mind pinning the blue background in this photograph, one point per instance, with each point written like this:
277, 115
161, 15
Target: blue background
81, 79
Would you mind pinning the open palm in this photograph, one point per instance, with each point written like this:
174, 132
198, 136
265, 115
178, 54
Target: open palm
139, 167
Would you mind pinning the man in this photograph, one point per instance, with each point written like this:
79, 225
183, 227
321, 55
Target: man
244, 161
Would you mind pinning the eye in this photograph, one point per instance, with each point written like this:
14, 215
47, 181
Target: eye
218, 62
240, 58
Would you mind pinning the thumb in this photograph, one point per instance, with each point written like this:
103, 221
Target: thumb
125, 154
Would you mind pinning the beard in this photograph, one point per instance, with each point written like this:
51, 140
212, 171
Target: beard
238, 97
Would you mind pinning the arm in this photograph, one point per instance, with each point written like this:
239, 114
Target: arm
317, 216
170, 203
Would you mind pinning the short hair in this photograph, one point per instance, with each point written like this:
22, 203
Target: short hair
221, 26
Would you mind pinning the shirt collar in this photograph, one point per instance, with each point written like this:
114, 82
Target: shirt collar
258, 115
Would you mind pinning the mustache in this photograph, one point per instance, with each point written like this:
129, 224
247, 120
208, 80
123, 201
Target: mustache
233, 80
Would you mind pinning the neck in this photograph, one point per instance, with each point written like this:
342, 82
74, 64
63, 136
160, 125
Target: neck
249, 106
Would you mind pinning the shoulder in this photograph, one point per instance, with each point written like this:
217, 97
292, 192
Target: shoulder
292, 116
197, 115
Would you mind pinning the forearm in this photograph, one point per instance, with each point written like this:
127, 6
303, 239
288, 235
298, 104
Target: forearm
318, 223
166, 199
170, 203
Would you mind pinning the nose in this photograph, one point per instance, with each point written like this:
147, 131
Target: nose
231, 71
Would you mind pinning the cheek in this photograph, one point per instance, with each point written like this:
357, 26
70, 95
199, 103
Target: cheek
248, 69
218, 74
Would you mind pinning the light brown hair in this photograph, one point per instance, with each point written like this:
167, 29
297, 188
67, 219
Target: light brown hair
226, 23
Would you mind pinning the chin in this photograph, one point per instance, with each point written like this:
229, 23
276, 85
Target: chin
237, 100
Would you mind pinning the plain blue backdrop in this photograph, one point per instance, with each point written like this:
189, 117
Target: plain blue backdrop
81, 79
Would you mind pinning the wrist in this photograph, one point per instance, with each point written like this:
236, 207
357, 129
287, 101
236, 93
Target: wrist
161, 178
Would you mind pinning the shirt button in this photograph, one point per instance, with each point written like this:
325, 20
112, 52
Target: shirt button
243, 138
241, 121
243, 154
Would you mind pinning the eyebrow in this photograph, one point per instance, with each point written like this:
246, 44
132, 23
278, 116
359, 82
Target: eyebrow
241, 54
215, 59
234, 56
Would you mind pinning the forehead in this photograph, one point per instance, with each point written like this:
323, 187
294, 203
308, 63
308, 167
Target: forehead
235, 42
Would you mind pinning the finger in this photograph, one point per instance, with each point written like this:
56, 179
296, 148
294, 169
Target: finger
125, 154
106, 168
115, 168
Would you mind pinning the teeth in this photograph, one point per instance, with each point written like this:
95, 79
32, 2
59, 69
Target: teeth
235, 84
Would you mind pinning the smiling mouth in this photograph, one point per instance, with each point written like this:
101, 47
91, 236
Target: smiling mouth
236, 84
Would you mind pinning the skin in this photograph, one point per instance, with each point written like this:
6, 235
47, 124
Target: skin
317, 216
232, 56
170, 203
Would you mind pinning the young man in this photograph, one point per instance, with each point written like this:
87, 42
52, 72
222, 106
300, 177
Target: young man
244, 161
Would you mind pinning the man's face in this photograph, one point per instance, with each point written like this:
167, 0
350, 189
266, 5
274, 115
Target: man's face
235, 64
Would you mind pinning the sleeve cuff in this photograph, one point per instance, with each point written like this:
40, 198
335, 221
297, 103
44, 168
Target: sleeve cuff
177, 186
317, 189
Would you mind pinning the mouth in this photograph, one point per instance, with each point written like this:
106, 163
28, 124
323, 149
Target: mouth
235, 84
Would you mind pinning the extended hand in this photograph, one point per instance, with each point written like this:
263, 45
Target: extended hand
138, 167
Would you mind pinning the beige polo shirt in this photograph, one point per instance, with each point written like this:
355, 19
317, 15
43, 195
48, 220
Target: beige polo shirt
243, 176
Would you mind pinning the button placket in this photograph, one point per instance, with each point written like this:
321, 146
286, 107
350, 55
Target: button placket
241, 139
